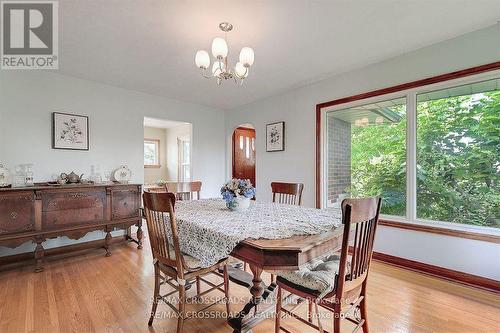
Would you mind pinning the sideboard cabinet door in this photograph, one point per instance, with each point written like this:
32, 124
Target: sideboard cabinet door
61, 209
17, 212
125, 203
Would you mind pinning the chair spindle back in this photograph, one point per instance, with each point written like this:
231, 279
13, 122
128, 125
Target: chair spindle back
360, 218
161, 226
185, 190
157, 189
287, 193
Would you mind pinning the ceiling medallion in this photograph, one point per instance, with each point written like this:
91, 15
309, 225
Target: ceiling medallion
220, 68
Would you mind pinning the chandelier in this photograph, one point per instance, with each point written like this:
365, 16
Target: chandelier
220, 68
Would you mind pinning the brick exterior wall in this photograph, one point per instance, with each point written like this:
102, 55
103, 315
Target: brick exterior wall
339, 157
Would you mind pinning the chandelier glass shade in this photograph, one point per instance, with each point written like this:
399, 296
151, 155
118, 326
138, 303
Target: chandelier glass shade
221, 70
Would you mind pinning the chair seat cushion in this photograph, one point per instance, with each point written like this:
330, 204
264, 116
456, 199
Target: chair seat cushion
191, 262
319, 275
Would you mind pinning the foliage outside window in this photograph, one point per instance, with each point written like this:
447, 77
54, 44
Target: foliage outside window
151, 153
369, 153
458, 158
456, 166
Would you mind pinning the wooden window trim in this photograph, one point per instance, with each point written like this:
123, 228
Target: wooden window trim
401, 87
441, 230
154, 166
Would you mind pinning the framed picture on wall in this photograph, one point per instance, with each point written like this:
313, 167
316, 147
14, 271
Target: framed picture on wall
70, 131
275, 136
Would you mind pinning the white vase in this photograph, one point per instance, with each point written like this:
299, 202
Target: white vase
239, 204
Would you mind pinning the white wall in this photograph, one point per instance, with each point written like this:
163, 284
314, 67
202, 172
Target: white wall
27, 99
297, 162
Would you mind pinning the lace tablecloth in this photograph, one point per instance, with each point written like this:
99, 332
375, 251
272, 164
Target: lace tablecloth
209, 231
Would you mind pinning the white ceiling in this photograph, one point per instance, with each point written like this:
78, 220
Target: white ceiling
149, 45
161, 123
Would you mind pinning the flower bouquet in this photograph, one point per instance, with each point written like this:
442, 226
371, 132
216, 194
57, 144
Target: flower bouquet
237, 194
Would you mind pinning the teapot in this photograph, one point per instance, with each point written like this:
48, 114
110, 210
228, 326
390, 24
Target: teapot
72, 177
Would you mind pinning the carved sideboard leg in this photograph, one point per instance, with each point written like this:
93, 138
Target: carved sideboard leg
107, 242
140, 234
39, 254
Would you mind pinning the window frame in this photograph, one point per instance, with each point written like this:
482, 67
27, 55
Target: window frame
158, 153
377, 99
181, 177
410, 91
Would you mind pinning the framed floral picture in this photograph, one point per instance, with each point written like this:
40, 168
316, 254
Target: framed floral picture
275, 136
70, 131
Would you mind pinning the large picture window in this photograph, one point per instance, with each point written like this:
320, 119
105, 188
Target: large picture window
432, 153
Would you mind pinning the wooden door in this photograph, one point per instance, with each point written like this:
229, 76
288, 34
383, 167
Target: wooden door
244, 154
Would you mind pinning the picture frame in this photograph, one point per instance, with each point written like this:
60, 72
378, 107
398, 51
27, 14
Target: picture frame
275, 136
70, 131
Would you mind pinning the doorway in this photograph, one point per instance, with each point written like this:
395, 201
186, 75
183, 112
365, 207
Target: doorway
167, 151
244, 153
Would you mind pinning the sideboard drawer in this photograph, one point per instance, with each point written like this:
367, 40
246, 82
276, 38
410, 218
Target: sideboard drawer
125, 203
69, 208
17, 212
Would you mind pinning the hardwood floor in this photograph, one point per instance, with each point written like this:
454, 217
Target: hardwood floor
88, 292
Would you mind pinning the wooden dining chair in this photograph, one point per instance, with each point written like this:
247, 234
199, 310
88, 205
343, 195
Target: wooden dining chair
287, 193
153, 189
337, 282
171, 266
156, 189
185, 190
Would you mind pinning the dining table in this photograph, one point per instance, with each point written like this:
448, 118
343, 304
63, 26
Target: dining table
269, 237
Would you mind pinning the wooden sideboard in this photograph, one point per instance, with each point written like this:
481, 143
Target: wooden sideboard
42, 212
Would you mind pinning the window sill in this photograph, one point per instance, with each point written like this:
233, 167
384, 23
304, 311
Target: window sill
152, 166
440, 230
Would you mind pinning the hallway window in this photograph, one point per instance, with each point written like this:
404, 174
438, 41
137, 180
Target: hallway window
184, 160
151, 153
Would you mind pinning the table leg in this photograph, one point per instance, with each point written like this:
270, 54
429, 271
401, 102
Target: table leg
255, 310
257, 289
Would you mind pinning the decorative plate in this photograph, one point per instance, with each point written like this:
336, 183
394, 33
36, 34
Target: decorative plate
122, 174
4, 176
